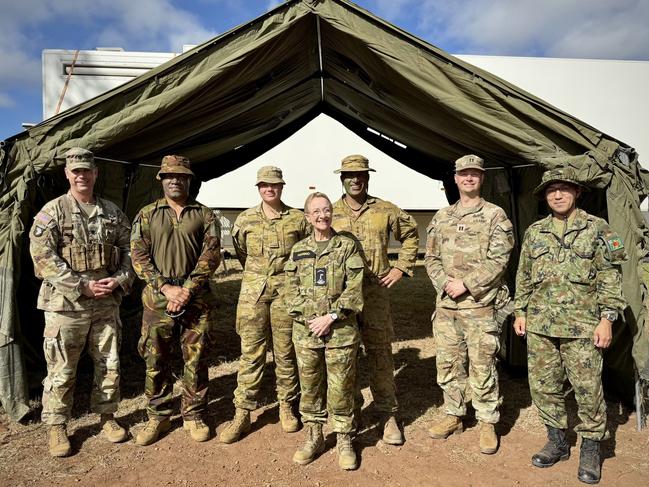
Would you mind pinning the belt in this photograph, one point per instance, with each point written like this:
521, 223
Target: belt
174, 281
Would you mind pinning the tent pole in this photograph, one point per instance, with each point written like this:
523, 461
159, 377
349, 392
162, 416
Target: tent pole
320, 59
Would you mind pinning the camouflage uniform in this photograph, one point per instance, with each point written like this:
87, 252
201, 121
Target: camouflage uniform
371, 227
472, 244
70, 248
178, 251
263, 246
566, 281
319, 284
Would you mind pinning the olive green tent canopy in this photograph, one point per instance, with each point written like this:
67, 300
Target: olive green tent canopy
232, 98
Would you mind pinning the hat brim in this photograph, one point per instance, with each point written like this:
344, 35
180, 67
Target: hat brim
270, 181
81, 165
540, 189
479, 168
179, 170
364, 169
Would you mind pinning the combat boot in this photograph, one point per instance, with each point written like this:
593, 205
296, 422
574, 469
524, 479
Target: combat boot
197, 428
555, 449
113, 431
288, 419
313, 445
58, 441
346, 453
488, 438
152, 431
590, 466
391, 433
237, 427
447, 426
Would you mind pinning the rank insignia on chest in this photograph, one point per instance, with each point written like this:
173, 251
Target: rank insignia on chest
321, 276
461, 227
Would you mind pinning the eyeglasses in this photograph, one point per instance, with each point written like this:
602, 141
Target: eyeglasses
319, 212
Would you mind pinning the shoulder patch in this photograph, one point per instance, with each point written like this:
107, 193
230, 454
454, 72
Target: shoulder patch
43, 218
304, 254
613, 242
38, 231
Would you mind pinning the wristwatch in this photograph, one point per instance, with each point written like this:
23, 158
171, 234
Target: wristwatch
334, 316
609, 315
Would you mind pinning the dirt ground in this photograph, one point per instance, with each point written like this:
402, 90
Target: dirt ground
263, 457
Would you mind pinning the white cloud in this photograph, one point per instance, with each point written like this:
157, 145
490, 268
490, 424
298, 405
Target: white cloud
6, 101
559, 28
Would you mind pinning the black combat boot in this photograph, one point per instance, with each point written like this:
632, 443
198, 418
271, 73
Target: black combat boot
555, 449
590, 467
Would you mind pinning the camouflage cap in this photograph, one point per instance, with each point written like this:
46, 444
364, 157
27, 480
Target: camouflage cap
174, 165
559, 175
79, 158
270, 175
470, 161
354, 163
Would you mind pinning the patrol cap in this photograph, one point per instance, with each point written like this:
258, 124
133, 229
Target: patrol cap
174, 165
559, 175
470, 161
269, 175
79, 158
354, 163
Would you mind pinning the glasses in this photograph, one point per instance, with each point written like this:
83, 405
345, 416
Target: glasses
320, 212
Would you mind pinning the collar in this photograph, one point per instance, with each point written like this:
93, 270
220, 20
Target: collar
162, 203
75, 208
457, 210
578, 223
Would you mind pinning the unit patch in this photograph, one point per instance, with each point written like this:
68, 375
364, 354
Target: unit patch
321, 276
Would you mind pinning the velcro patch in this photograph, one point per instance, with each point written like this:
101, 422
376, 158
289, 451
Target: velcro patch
321, 276
38, 230
614, 243
304, 254
43, 218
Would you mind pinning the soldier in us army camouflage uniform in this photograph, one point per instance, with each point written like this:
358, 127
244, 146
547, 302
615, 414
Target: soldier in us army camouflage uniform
176, 245
467, 251
324, 289
568, 294
371, 221
79, 245
263, 237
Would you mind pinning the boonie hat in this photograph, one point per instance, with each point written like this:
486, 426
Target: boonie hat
354, 163
469, 161
174, 165
269, 175
79, 158
559, 175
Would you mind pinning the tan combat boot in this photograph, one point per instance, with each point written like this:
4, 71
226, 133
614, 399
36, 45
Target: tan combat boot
152, 431
237, 427
447, 426
313, 445
197, 428
346, 453
488, 438
113, 431
391, 433
58, 441
288, 419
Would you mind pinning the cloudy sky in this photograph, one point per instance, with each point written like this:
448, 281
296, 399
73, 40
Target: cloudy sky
608, 29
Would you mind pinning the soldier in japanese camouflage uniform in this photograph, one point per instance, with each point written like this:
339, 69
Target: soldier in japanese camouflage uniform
371, 221
467, 250
176, 245
568, 294
79, 245
324, 289
263, 237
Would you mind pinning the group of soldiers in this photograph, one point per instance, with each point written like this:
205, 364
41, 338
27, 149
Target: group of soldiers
316, 285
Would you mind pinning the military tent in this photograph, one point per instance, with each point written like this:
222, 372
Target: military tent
230, 99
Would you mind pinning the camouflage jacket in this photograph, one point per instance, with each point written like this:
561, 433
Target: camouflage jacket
564, 284
372, 228
263, 245
329, 283
199, 249
472, 244
63, 239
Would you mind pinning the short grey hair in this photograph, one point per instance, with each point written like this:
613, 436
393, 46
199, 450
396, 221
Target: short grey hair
312, 196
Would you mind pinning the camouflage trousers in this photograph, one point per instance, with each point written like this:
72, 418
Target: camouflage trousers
159, 342
67, 334
377, 334
467, 341
257, 322
327, 379
549, 361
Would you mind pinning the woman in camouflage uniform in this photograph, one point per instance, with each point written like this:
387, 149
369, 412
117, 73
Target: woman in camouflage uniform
324, 278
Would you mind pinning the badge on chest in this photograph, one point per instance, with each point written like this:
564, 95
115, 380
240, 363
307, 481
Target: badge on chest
321, 276
461, 228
